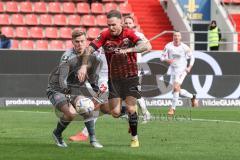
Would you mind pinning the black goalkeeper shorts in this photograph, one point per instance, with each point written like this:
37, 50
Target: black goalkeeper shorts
121, 88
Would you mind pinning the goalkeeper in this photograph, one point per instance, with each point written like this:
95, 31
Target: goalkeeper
63, 81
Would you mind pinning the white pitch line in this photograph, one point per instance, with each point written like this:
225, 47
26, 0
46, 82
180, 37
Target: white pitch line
28, 111
216, 120
193, 119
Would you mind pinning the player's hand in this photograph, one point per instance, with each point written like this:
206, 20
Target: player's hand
82, 73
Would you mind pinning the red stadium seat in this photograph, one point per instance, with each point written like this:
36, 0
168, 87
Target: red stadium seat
31, 19
66, 33
21, 32
83, 8
4, 19
125, 8
11, 6
54, 7
74, 20
8, 31
60, 20
1, 7
26, 7
41, 45
68, 7
45, 19
17, 19
110, 6
88, 20
97, 8
69, 44
40, 7
93, 33
56, 44
15, 44
27, 44
36, 32
51, 32
101, 20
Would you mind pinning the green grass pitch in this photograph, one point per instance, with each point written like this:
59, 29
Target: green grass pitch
211, 134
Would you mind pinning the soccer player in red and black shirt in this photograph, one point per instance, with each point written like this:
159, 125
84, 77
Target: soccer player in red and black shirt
120, 46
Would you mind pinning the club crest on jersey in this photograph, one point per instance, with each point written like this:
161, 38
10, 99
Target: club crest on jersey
65, 58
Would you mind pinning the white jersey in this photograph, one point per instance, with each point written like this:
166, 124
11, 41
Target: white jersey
179, 53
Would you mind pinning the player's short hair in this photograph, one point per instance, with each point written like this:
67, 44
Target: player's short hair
130, 17
114, 13
77, 32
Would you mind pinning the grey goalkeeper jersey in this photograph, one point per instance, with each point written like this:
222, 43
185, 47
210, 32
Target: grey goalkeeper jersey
64, 76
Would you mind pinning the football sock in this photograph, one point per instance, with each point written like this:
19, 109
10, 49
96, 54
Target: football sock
61, 126
142, 105
133, 123
123, 110
85, 131
185, 93
175, 99
91, 130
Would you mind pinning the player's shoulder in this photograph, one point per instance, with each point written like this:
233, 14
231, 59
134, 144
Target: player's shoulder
128, 31
185, 46
68, 54
169, 45
140, 35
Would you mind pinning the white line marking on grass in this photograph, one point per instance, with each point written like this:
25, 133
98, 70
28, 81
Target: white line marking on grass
28, 111
215, 120
193, 119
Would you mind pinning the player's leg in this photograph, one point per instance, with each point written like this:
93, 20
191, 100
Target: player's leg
131, 92
185, 93
145, 112
133, 119
83, 135
61, 103
177, 78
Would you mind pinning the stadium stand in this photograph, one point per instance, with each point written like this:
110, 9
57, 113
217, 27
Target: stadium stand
4, 19
97, 8
8, 31
44, 21
233, 9
1, 7
41, 44
26, 7
40, 7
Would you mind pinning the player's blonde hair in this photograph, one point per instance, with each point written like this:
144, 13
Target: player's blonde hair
78, 32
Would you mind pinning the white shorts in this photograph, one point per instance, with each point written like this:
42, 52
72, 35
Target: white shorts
177, 75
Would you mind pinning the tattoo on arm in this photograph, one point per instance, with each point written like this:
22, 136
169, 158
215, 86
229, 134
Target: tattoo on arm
140, 47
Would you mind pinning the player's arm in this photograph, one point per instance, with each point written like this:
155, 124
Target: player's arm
140, 47
192, 59
94, 45
165, 56
94, 70
64, 68
149, 46
83, 69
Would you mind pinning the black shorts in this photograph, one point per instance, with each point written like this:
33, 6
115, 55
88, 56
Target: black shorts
121, 88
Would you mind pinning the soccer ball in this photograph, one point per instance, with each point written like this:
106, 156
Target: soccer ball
84, 105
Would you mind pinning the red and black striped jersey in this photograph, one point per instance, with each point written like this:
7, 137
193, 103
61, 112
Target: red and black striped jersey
119, 65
